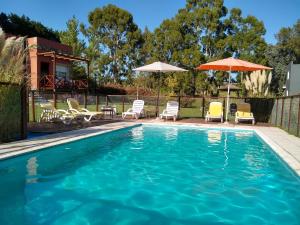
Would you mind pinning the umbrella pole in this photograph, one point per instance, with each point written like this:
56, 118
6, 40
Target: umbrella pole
157, 100
228, 93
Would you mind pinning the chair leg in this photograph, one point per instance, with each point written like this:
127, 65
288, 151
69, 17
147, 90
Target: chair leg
88, 119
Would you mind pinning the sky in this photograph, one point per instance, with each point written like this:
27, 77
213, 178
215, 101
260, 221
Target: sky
54, 13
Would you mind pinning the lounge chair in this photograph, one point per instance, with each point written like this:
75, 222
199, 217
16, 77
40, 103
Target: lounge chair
171, 111
136, 111
215, 111
51, 114
244, 113
75, 109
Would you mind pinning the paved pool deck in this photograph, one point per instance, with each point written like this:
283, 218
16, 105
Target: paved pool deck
285, 145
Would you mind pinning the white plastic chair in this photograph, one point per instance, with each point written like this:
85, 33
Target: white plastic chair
51, 114
171, 111
136, 111
75, 108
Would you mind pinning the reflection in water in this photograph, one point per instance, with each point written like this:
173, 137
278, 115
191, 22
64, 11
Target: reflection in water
171, 134
242, 135
137, 133
214, 136
226, 151
31, 167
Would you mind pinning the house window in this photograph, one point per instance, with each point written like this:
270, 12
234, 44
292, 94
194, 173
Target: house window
288, 75
62, 71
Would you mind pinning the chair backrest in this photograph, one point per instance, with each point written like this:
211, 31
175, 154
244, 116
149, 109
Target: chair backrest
138, 106
244, 107
172, 107
73, 104
216, 108
49, 112
47, 106
233, 107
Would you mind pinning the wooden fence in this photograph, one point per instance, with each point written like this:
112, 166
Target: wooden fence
286, 114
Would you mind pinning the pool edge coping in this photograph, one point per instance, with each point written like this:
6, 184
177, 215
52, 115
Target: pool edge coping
26, 150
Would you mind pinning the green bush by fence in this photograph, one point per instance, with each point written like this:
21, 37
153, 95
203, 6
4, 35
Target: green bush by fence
10, 113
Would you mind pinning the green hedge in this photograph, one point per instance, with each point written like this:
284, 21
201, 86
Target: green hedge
10, 113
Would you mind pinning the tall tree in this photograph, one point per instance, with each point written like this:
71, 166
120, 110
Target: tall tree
23, 26
245, 37
114, 33
71, 37
175, 42
207, 22
280, 55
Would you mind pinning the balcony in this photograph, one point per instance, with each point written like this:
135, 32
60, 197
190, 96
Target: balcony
47, 82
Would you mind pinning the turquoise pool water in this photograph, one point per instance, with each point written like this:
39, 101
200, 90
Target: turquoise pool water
151, 175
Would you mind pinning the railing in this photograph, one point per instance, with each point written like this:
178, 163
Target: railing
80, 84
282, 112
47, 83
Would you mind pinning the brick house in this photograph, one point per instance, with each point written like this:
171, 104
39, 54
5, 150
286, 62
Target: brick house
50, 66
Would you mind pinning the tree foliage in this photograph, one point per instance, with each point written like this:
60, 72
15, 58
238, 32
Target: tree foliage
117, 38
23, 26
71, 37
204, 31
280, 55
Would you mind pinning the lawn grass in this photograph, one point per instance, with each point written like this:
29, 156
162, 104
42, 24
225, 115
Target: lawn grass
185, 112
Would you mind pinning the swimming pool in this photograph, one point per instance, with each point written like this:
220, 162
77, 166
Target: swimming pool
151, 175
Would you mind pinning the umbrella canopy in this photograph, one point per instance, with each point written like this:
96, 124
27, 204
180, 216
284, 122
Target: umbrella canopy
232, 64
159, 67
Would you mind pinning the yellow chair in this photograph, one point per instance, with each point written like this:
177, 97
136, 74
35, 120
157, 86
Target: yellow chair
75, 108
244, 113
215, 111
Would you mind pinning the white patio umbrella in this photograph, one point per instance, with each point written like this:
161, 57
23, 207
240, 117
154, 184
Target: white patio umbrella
159, 67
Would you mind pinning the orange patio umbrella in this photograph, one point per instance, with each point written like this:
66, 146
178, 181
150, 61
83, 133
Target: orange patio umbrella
231, 64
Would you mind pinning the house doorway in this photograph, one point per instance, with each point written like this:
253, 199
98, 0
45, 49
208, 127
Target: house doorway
44, 68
